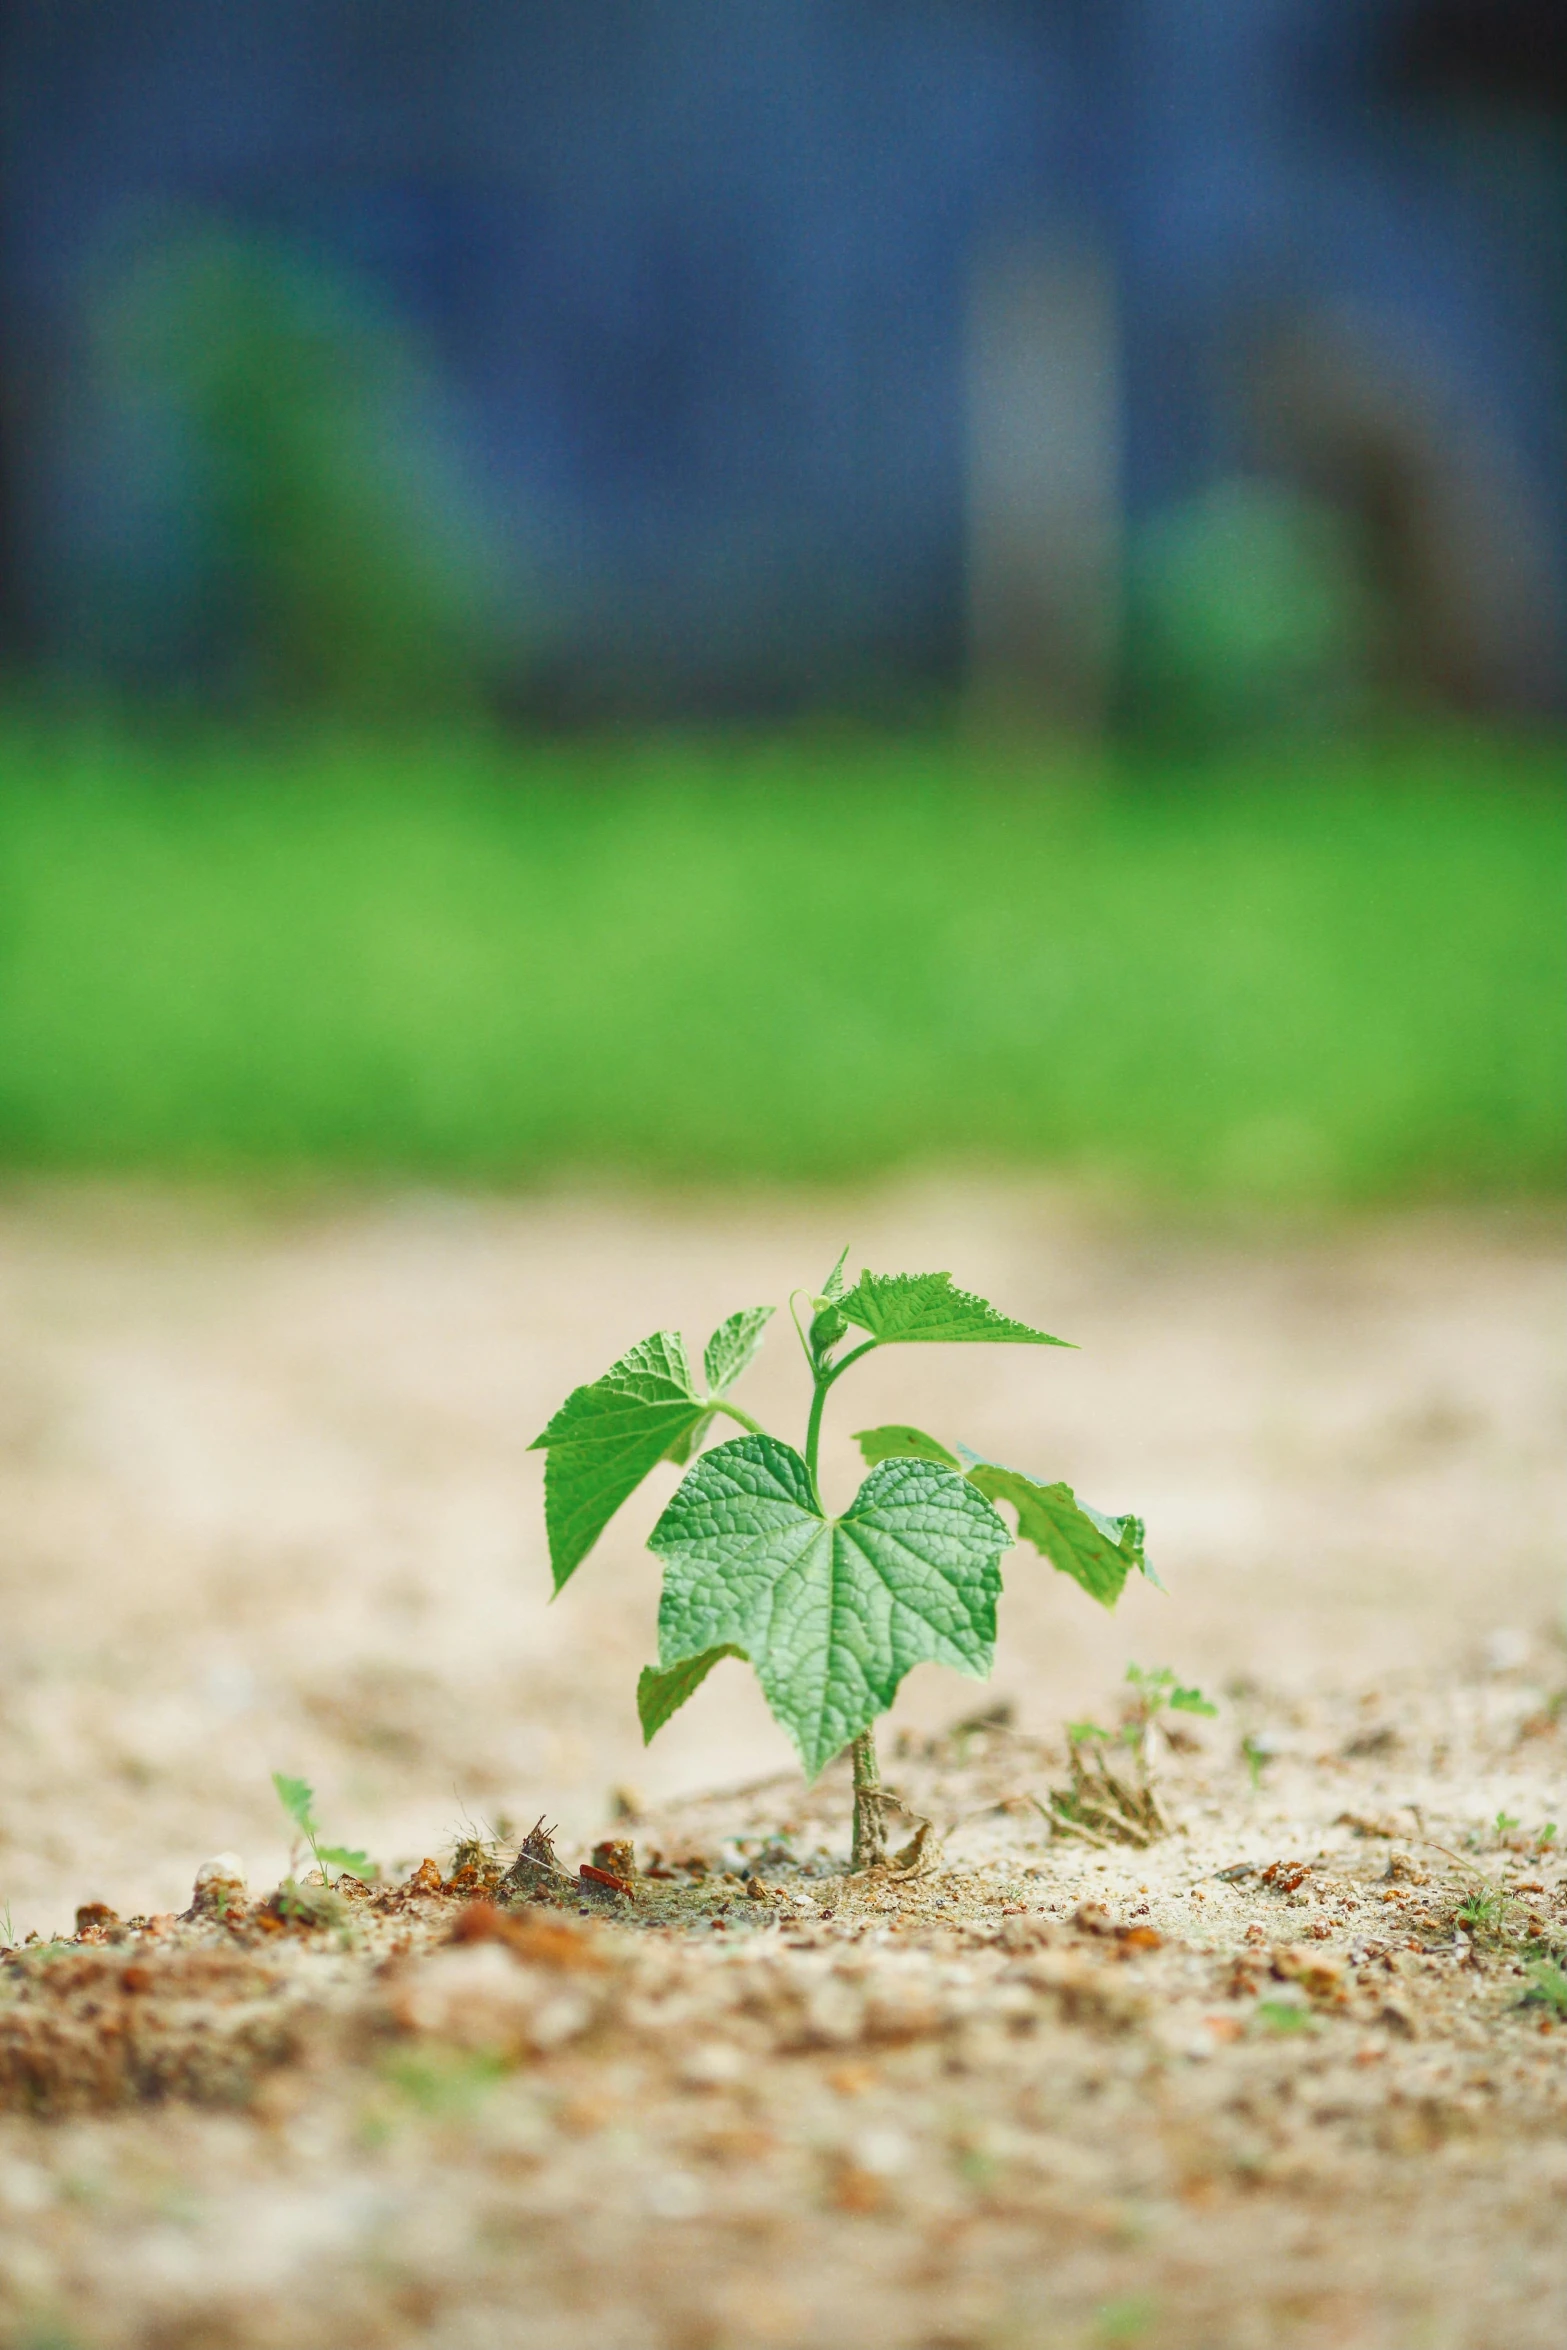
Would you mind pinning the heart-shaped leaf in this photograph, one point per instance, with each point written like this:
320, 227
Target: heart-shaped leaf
831, 1611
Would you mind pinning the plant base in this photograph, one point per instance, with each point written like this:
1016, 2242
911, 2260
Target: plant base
870, 1808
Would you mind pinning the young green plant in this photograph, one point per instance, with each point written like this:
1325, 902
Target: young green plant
830, 1611
298, 1799
1105, 1805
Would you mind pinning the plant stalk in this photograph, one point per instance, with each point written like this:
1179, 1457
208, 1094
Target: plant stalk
870, 1817
823, 1375
813, 1434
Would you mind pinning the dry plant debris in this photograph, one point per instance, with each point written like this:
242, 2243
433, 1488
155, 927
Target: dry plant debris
1295, 2074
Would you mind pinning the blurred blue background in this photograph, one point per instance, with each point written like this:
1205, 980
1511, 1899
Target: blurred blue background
780, 591
1173, 359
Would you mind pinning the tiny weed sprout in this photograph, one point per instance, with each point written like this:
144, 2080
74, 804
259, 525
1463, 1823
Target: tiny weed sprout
1488, 1916
1283, 2015
1124, 2322
1547, 1987
830, 1612
1154, 1692
1104, 1805
298, 1800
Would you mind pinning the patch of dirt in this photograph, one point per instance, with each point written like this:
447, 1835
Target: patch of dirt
1293, 2074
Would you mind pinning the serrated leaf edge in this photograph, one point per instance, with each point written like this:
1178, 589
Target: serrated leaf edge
1007, 1330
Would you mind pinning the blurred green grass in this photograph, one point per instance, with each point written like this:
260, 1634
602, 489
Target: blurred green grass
1311, 976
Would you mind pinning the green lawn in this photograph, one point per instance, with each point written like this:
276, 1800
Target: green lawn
1325, 976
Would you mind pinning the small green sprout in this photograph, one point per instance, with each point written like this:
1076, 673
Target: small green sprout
831, 1611
445, 2083
1547, 1836
1503, 1825
298, 1799
1547, 1986
1486, 1915
1118, 2322
1102, 1805
1160, 1688
1284, 2015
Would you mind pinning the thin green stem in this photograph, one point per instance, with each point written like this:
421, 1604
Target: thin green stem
870, 1818
824, 1379
865, 1347
754, 1427
813, 1433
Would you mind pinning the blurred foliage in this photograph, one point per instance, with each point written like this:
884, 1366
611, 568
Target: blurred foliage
1249, 611
340, 554
1303, 976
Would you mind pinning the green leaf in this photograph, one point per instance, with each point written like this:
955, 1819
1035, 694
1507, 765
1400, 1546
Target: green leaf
899, 1442
1097, 1551
831, 1611
1191, 1701
662, 1692
907, 1308
827, 1327
342, 1856
685, 1446
732, 1347
606, 1436
297, 1797
828, 1324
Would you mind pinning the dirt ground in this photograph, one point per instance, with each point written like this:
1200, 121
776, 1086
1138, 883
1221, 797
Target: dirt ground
267, 1506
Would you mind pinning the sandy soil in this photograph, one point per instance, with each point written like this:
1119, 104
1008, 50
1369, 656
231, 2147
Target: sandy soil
266, 1505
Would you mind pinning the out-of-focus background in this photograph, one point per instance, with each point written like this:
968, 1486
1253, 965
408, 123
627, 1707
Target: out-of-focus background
1197, 364
632, 631
742, 593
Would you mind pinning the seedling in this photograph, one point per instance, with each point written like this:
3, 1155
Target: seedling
1156, 1692
1487, 1915
1284, 2015
298, 1800
1106, 1805
1117, 2322
830, 1611
1547, 1987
